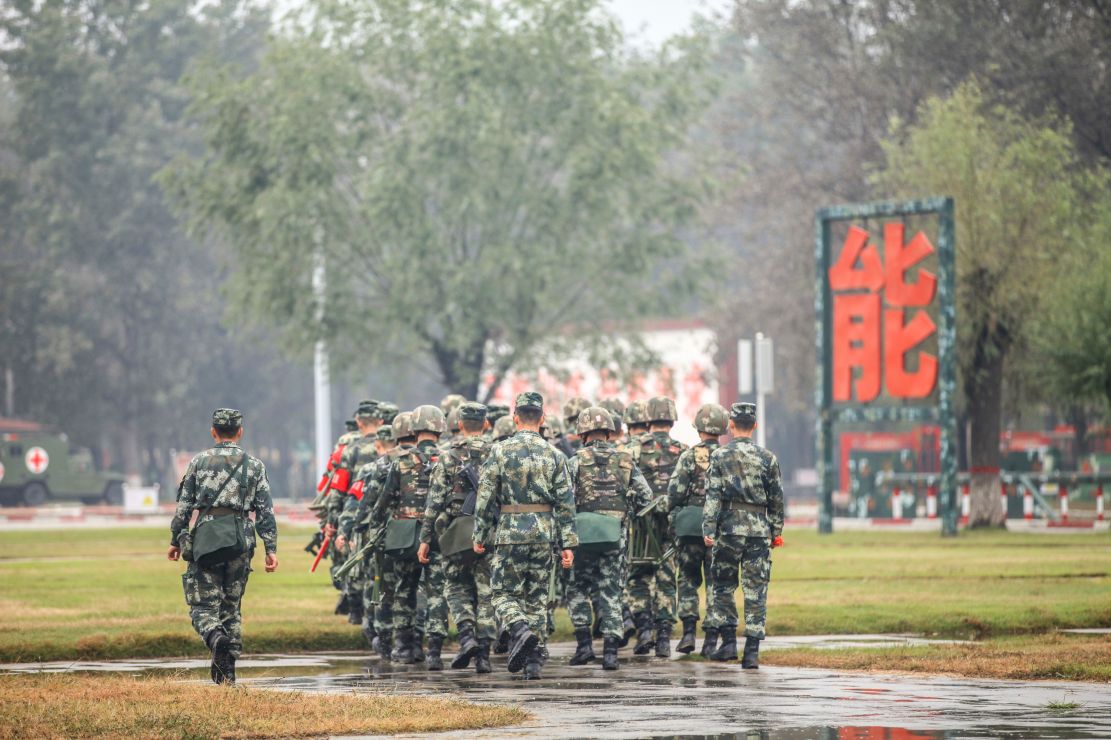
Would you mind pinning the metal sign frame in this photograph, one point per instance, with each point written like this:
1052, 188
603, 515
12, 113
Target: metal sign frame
942, 413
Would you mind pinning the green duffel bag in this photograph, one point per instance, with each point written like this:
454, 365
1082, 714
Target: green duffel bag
458, 537
598, 533
221, 537
688, 523
402, 538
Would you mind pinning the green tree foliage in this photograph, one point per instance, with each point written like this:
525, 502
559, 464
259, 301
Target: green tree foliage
476, 175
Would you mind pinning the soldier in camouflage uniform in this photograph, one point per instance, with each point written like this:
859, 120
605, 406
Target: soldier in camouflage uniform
504, 429
213, 485
320, 506
466, 575
403, 495
636, 419
525, 504
688, 488
652, 588
355, 455
607, 482
742, 521
571, 411
616, 409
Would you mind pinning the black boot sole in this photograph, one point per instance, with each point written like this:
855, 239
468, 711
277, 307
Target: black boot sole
463, 659
518, 659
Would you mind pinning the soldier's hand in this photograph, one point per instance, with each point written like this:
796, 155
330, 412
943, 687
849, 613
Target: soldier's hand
341, 543
568, 558
271, 562
708, 541
329, 530
777, 541
480, 548
422, 553
173, 553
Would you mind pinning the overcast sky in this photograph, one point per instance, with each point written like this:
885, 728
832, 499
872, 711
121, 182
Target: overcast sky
652, 21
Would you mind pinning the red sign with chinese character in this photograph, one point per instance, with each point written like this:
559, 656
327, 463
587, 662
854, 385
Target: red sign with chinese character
880, 317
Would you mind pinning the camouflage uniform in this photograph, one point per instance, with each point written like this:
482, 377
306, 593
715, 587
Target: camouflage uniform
743, 514
504, 429
214, 594
524, 472
606, 481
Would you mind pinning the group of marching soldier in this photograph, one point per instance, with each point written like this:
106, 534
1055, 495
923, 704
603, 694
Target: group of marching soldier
492, 518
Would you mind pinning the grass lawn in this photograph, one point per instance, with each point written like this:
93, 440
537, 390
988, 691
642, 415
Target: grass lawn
75, 706
111, 593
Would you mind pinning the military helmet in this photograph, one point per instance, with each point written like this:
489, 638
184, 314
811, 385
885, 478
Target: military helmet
711, 419
593, 418
451, 401
554, 424
428, 418
402, 425
661, 408
387, 412
385, 433
574, 407
636, 413
504, 427
453, 420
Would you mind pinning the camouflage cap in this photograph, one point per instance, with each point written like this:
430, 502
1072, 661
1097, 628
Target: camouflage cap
495, 411
504, 427
228, 418
636, 413
744, 411
453, 420
473, 411
385, 433
661, 408
387, 411
711, 419
451, 401
529, 400
593, 418
402, 425
350, 425
574, 407
368, 409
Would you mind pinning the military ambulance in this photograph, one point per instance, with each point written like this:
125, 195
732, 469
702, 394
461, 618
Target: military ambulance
38, 465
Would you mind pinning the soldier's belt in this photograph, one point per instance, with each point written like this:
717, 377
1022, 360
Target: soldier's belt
526, 508
745, 506
223, 511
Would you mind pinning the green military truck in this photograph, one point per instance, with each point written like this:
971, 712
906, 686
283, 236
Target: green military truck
38, 465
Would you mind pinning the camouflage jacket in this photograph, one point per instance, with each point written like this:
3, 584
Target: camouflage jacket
743, 472
404, 491
524, 469
632, 444
688, 483
355, 455
448, 488
607, 479
657, 454
373, 475
206, 473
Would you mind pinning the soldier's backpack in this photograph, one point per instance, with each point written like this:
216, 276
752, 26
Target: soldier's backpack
687, 521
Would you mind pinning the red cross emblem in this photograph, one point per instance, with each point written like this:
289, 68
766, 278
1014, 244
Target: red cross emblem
37, 460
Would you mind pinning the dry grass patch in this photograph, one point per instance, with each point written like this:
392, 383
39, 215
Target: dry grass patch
1054, 656
77, 706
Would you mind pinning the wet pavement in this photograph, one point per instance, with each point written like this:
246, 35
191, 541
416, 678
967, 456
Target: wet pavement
689, 699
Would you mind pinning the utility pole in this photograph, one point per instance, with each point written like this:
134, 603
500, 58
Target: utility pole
322, 388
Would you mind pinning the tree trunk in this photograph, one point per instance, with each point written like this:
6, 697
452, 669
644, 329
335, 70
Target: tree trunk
984, 388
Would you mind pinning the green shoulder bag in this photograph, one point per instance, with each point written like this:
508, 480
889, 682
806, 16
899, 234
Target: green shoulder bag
598, 533
402, 538
688, 523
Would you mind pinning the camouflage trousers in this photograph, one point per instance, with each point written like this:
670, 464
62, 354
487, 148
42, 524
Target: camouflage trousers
693, 560
434, 611
468, 594
750, 559
652, 590
519, 581
214, 596
338, 559
400, 581
596, 586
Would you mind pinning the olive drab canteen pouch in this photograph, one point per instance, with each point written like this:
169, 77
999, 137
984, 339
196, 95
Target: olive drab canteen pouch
402, 537
598, 533
458, 537
688, 523
222, 537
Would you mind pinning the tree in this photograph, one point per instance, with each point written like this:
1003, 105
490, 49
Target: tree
475, 176
1015, 190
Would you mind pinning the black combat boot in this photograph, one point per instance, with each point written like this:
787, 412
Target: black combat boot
343, 606
223, 664
418, 646
710, 642
501, 647
533, 665
628, 627
645, 637
728, 648
403, 650
385, 645
355, 612
435, 645
482, 657
609, 653
686, 642
751, 658
663, 641
468, 645
522, 644
585, 651
368, 631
